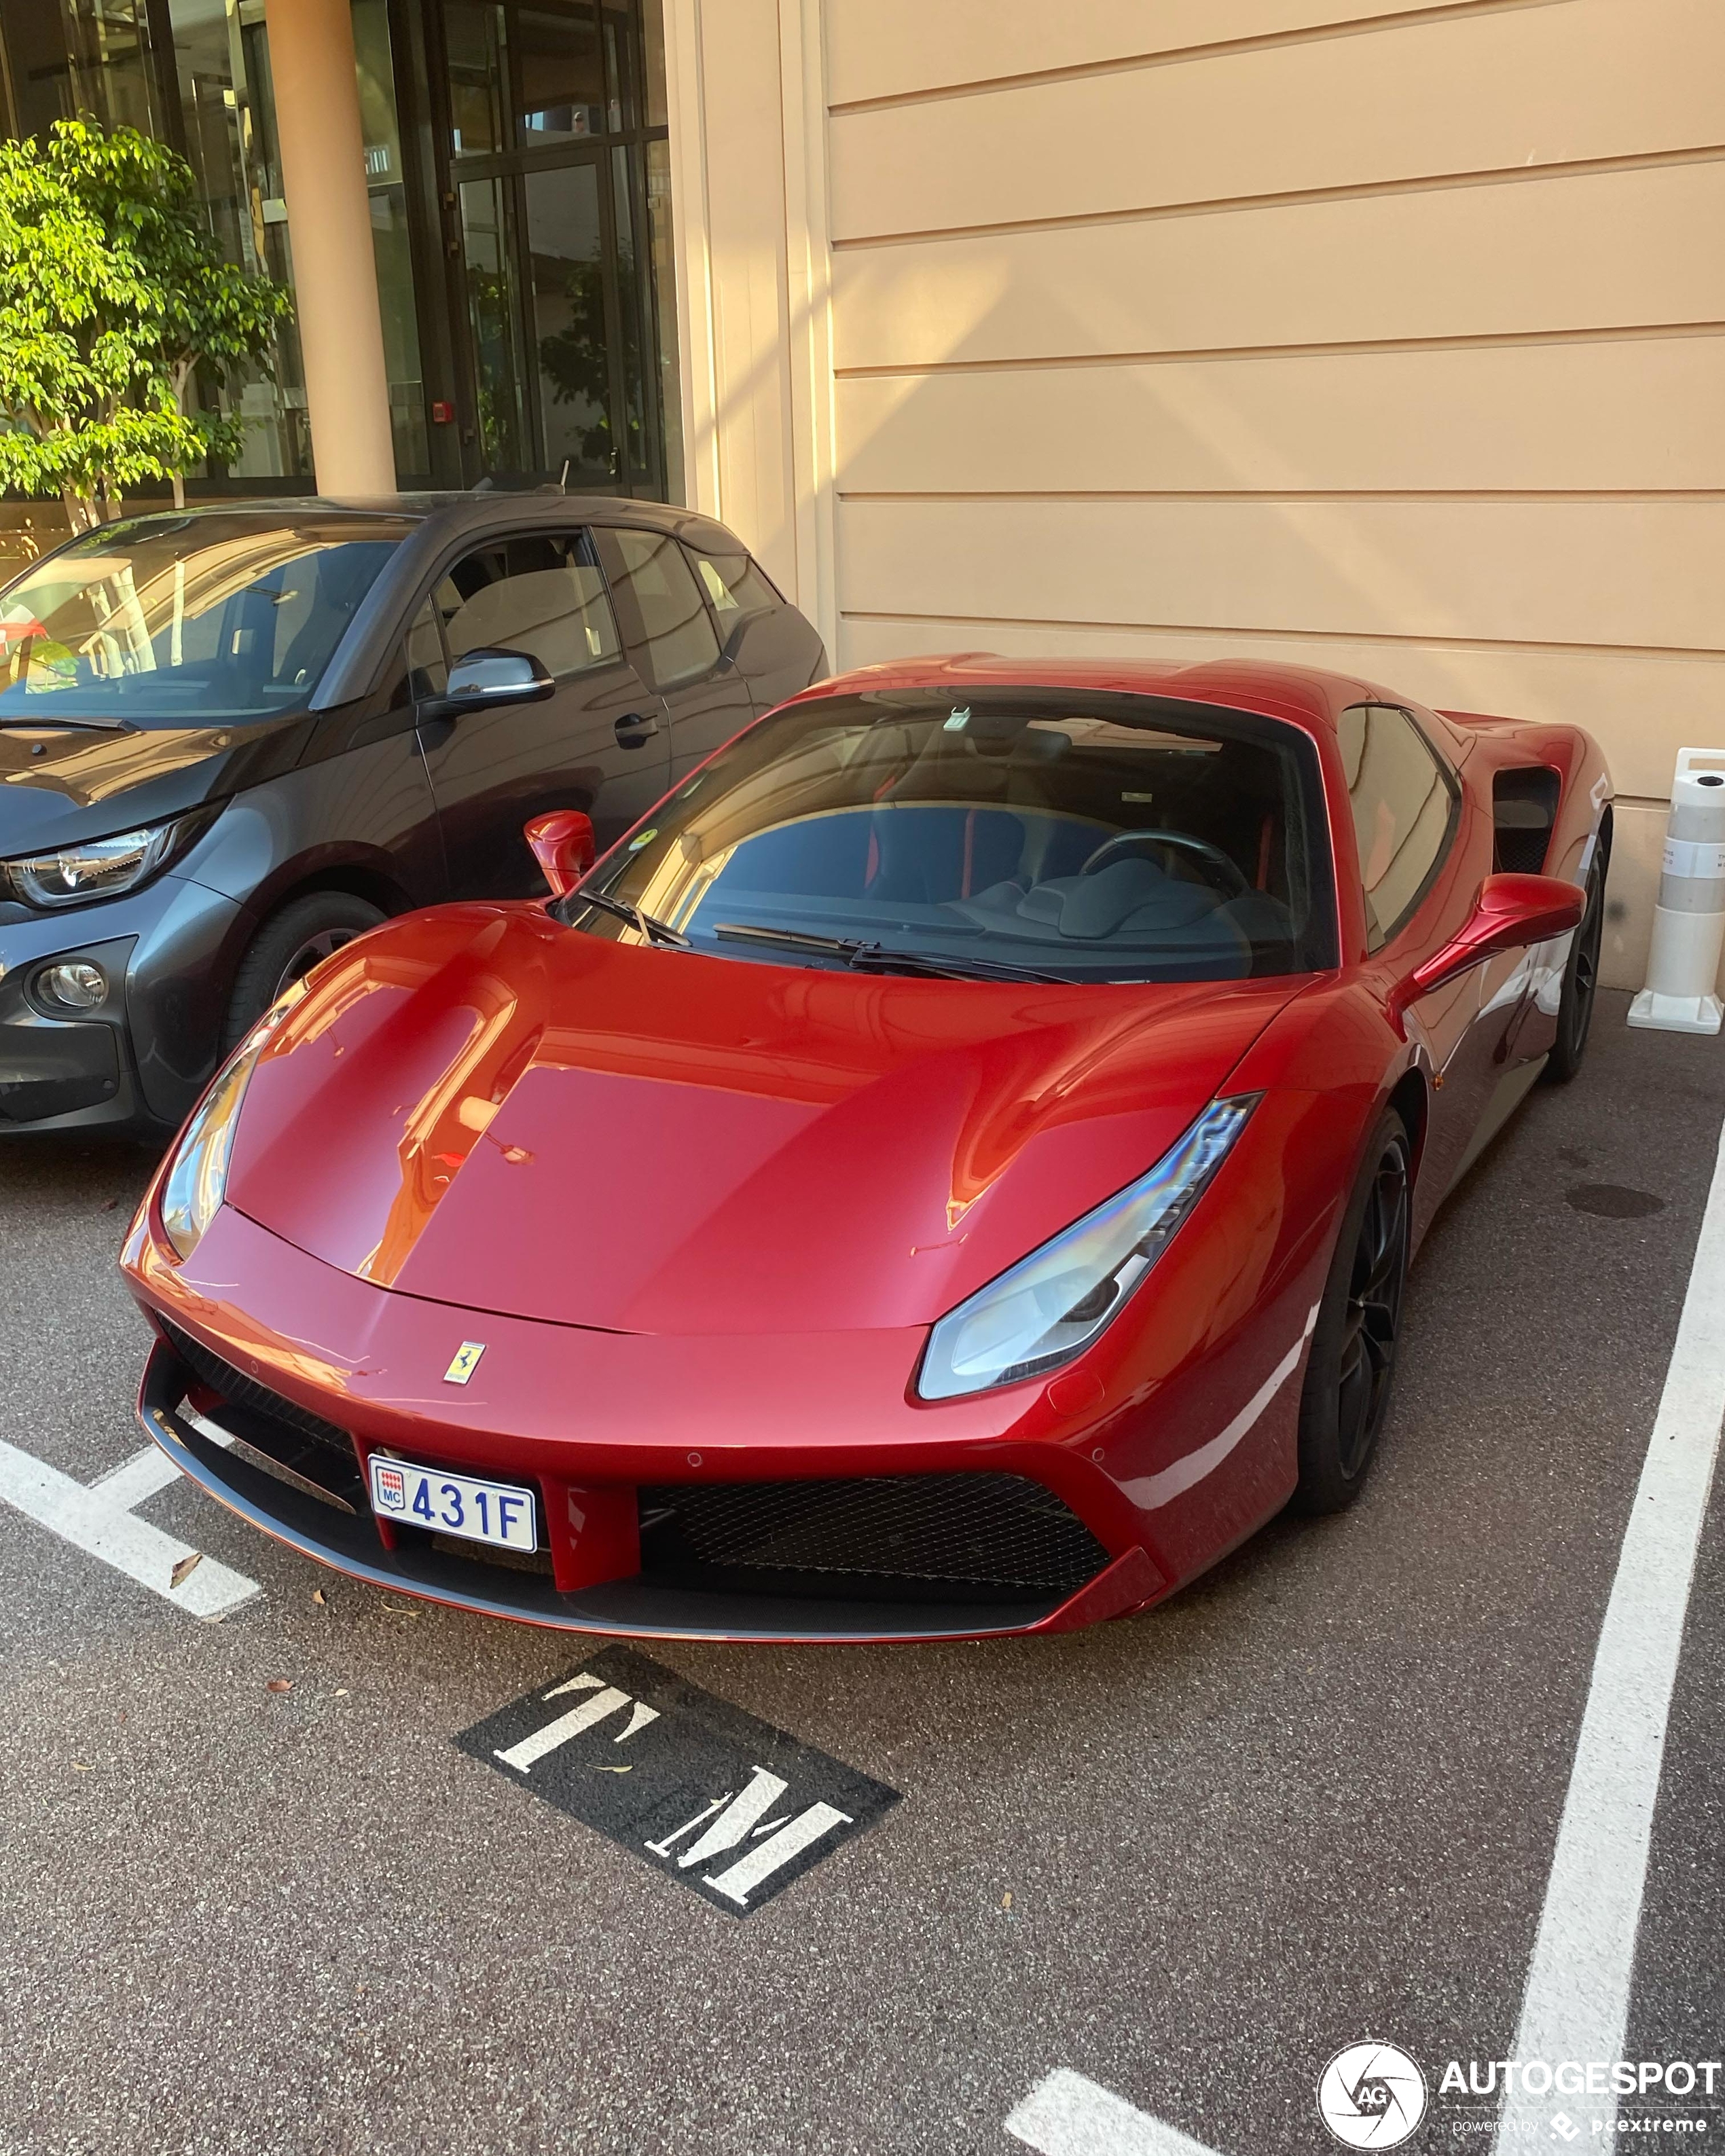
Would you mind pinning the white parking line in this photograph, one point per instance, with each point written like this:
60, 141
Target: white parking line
1066, 2115
1576, 2004
141, 1476
99, 1522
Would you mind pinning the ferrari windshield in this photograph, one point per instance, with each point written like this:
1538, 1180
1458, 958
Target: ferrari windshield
1090, 838
186, 619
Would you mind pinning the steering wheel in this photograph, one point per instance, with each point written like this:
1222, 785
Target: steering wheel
1181, 842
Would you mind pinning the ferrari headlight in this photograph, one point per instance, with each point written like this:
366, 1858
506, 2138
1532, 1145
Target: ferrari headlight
98, 868
1051, 1305
198, 1181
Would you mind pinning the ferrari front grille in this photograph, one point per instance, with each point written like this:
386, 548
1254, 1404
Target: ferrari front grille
924, 1536
313, 1449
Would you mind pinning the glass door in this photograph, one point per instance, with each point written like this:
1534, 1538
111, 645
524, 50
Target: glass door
572, 302
548, 166
542, 321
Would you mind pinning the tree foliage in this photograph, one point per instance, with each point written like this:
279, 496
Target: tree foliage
113, 296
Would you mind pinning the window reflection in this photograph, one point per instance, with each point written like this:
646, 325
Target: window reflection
64, 57
562, 76
234, 616
568, 266
1093, 846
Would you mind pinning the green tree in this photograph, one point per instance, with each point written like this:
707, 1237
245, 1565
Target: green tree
113, 298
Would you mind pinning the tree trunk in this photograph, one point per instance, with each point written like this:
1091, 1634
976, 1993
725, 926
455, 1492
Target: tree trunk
182, 368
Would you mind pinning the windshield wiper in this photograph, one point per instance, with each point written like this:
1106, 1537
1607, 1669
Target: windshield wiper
647, 924
46, 725
881, 958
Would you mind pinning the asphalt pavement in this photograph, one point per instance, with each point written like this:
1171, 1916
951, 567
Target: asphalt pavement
255, 1899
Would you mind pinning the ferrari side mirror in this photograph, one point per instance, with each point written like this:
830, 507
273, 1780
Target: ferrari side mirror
564, 847
1510, 912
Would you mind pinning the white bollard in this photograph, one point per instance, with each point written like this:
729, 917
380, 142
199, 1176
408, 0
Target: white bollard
1689, 920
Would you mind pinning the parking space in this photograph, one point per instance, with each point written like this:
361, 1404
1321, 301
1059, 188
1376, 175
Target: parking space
273, 1883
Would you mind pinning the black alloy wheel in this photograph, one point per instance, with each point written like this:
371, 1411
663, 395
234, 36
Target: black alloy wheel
1581, 977
323, 945
1352, 1361
304, 933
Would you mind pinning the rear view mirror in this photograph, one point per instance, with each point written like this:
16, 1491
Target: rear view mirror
1510, 912
482, 678
564, 847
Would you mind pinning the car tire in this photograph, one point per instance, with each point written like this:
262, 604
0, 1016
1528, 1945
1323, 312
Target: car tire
1346, 1396
1581, 980
288, 945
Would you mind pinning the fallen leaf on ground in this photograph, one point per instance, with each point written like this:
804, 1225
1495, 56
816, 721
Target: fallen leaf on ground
318, 1594
1006, 1900
280, 1684
400, 1609
110, 1205
79, 1767
186, 1566
341, 1691
613, 1770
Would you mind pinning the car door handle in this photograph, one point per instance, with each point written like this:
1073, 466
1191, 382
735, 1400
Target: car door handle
634, 729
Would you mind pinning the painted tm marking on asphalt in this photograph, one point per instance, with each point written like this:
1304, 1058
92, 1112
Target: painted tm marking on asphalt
100, 1519
724, 1803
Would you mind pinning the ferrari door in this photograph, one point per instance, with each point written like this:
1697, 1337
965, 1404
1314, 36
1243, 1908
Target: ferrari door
1406, 818
599, 742
669, 630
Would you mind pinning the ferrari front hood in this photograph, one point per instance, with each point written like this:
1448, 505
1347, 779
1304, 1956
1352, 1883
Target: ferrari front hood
484, 1108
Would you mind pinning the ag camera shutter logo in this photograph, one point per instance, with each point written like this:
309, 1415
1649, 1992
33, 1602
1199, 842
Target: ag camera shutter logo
1371, 2096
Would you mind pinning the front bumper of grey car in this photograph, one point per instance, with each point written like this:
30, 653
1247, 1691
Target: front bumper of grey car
135, 1047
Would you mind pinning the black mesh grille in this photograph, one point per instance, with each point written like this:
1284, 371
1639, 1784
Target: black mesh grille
916, 1531
292, 1436
247, 1393
1521, 853
1524, 807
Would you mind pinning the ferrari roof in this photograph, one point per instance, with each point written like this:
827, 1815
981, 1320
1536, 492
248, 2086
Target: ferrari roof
1306, 694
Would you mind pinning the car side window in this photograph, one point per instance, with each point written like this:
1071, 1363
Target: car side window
542, 593
734, 586
1402, 808
660, 604
428, 671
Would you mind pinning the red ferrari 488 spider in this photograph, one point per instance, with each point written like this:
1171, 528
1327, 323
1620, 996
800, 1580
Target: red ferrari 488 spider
950, 1171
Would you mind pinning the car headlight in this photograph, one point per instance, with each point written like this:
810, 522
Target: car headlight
1051, 1305
97, 868
198, 1181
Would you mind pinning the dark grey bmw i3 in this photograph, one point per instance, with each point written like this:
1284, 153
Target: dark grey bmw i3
232, 738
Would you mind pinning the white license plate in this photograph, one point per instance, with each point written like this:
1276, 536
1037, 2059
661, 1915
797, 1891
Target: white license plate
499, 1512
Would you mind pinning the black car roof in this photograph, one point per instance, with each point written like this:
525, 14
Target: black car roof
446, 522
456, 515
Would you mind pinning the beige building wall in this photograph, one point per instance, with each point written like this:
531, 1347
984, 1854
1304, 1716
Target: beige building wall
1384, 337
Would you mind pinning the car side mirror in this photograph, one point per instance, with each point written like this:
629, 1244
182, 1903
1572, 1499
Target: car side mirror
564, 846
485, 677
1509, 912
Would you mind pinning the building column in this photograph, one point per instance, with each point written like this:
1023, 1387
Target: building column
748, 151
317, 125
